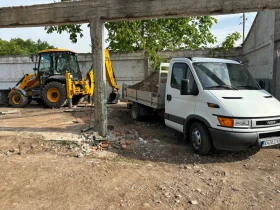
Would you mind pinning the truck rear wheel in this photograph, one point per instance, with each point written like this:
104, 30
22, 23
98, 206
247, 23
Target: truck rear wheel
17, 99
54, 94
200, 138
139, 111
135, 111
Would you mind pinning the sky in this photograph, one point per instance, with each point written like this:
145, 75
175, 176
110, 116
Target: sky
226, 25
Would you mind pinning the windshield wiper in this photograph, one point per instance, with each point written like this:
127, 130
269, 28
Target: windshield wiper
222, 86
250, 87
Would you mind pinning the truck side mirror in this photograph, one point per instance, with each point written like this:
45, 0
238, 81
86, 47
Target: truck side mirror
184, 89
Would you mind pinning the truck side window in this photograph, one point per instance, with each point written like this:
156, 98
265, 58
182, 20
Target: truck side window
178, 73
181, 71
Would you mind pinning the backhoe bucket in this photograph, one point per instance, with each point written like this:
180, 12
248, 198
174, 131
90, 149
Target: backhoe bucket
113, 98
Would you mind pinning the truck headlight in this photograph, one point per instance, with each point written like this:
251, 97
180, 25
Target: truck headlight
234, 123
243, 123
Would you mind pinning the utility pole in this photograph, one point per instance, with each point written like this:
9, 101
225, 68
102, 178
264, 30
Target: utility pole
243, 17
243, 27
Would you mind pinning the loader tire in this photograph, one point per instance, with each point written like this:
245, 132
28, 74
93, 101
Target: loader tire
54, 94
17, 99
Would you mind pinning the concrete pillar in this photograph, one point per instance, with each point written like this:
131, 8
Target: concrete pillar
276, 68
100, 99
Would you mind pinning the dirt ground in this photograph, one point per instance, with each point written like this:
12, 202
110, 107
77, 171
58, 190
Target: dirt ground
152, 169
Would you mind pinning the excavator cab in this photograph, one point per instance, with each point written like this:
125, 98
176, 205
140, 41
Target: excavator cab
55, 62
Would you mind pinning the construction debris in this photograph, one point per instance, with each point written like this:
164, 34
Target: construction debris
90, 143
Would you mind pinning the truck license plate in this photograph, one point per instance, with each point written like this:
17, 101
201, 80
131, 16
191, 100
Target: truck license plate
270, 142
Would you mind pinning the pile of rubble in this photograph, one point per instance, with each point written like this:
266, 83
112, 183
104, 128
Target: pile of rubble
90, 143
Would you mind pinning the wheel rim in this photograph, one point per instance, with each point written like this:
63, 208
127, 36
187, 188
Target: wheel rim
53, 95
134, 111
196, 138
16, 99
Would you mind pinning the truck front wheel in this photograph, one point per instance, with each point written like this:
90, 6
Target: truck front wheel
200, 138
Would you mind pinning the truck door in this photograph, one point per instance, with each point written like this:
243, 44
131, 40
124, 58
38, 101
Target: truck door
177, 106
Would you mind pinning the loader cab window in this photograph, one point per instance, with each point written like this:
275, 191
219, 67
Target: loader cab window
45, 64
60, 63
66, 62
181, 71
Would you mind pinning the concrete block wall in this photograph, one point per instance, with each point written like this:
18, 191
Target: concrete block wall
234, 54
277, 26
12, 69
276, 83
258, 49
129, 68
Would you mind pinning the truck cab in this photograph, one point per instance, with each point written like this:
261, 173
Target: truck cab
217, 103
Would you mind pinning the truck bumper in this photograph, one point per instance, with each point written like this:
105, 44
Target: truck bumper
233, 141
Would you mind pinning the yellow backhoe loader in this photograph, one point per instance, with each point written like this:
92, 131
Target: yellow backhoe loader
58, 79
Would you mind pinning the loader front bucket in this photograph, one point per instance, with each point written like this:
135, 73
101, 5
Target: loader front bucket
113, 98
4, 101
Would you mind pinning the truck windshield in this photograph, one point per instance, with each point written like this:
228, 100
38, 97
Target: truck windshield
214, 75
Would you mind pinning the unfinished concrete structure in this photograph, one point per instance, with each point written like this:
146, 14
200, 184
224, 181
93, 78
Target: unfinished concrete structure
98, 11
261, 50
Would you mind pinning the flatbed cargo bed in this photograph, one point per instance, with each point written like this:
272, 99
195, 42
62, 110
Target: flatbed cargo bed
155, 100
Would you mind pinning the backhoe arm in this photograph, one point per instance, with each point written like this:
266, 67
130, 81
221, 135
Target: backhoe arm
109, 71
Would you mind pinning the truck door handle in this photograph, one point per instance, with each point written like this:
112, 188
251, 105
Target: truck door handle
169, 97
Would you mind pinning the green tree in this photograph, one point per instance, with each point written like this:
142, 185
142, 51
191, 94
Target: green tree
227, 44
160, 34
19, 46
151, 35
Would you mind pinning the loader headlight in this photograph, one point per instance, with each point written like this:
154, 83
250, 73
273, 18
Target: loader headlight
234, 123
71, 76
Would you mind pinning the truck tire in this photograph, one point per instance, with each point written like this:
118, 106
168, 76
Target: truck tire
200, 138
135, 111
54, 94
17, 99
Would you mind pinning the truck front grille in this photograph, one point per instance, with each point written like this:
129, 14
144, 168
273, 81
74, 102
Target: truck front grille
268, 122
267, 135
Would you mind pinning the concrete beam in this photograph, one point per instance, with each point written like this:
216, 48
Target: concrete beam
116, 10
100, 99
